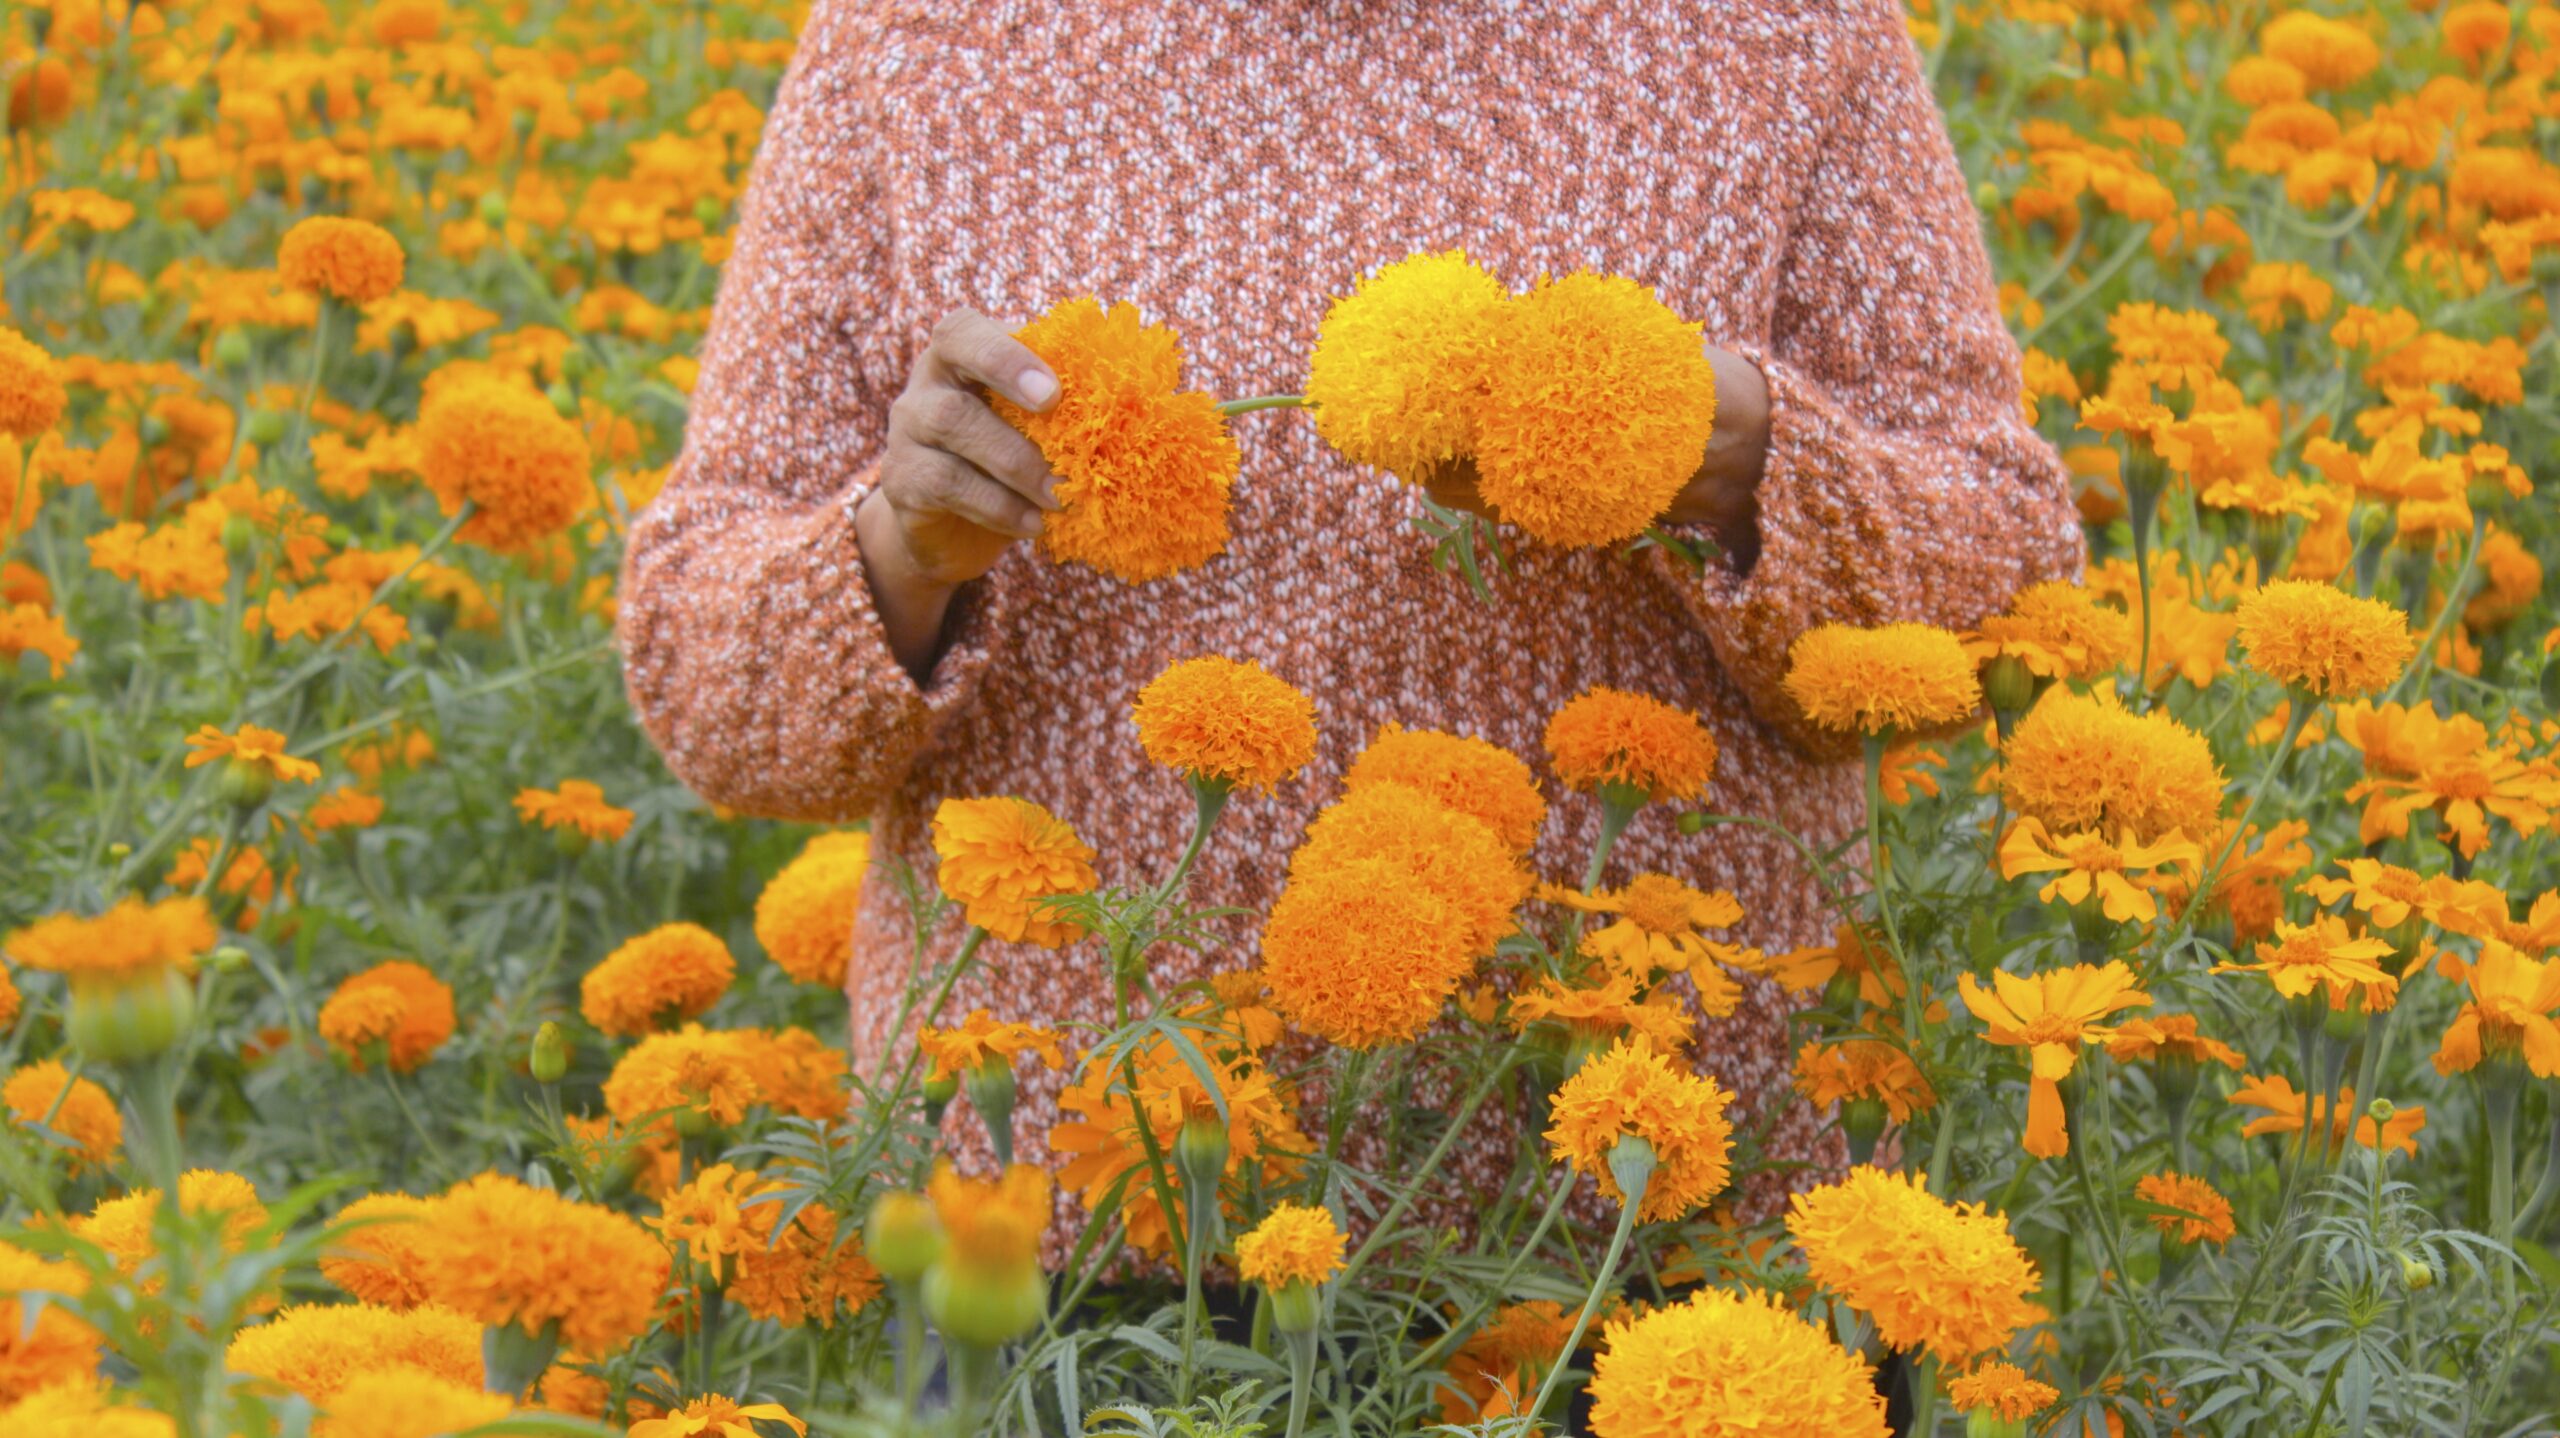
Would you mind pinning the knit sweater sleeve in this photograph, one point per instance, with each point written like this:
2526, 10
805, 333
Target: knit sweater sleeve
1903, 481
753, 653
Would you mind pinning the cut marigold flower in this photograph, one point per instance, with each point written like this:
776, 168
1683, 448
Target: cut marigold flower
1873, 681
2168, 1036
1606, 736
127, 941
805, 916
716, 1416
404, 1401
1632, 1091
2050, 1014
1399, 366
1213, 718
981, 1040
252, 747
1144, 472
1295, 1243
1105, 1151
500, 1251
1657, 929
2320, 639
1597, 1016
578, 807
1451, 856
397, 1004
1481, 780
1730, 1365
2203, 1216
2083, 864
2512, 1000
353, 260
378, 1262
2058, 630
498, 444
314, 1349
1597, 407
1001, 858
2080, 762
1937, 1275
657, 980
2286, 1109
47, 1093
2323, 954
31, 392
2003, 1390
1863, 1068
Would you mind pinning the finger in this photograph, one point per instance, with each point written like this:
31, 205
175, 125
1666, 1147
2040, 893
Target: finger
976, 350
953, 486
958, 422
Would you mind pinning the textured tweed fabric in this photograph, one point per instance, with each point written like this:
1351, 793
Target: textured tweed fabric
1776, 170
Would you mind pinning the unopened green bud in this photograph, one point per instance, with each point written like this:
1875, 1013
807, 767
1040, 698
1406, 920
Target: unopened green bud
231, 351
493, 208
902, 1238
991, 1089
709, 211
2008, 685
939, 1091
229, 959
563, 399
266, 426
1862, 1122
550, 1053
2381, 1110
127, 1020
2416, 1273
244, 784
1692, 823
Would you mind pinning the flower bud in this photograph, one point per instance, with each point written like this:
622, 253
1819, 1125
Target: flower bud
902, 1238
987, 1307
130, 1019
1842, 992
266, 427
1200, 1154
709, 211
232, 350
2008, 685
550, 1053
244, 785
492, 208
1293, 1307
939, 1091
513, 1358
2416, 1273
1862, 1122
2381, 1110
1987, 1423
1691, 822
991, 1089
563, 399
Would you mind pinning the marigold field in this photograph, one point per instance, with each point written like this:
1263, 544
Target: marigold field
2192, 1020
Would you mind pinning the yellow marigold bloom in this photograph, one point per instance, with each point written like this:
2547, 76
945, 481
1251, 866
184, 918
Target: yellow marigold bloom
31, 392
2321, 639
1657, 929
2286, 1112
1359, 955
1597, 407
501, 1251
28, 629
2329, 54
793, 1070
1862, 958
378, 1261
1296, 1243
981, 1040
314, 1349
2511, 1001
2203, 1216
1214, 718
122, 1226
1399, 366
1937, 1275
1609, 1011
9, 1000
1451, 856
1144, 472
2057, 629
991, 1227
2168, 1036
802, 1274
704, 1218
578, 807
2083, 864
701, 1074
1863, 1068
2258, 81
716, 1416
343, 808
1105, 1150
1503, 1363
1609, 736
657, 980
1872, 681
498, 444
2050, 1014
77, 1407
46, 1093
395, 1003
2323, 954
406, 1401
1001, 857
352, 260
58, 1345
2003, 1390
253, 747
1481, 780
1240, 994
1634, 1091
2083, 762
804, 917
2417, 762
1730, 1365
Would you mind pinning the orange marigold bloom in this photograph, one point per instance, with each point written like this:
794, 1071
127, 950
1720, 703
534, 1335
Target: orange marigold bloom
656, 980
2319, 638
1609, 1011
396, 1003
47, 1093
2168, 1036
716, 1415
377, 1261
1144, 472
704, 1076
2323, 954
1481, 780
122, 1226
2081, 762
1294, 1243
1863, 1068
1502, 1364
31, 392
2286, 1110
1231, 722
1875, 681
578, 807
252, 747
1657, 929
2203, 1216
2419, 762
1002, 857
353, 260
501, 1251
1105, 1151
1730, 1365
314, 1349
1451, 856
2058, 630
2329, 54
1937, 1275
1606, 736
1359, 955
2003, 1390
1399, 366
2084, 864
2050, 1014
1597, 407
343, 808
793, 1070
129, 940
56, 1346
28, 629
1632, 1091
499, 445
2510, 1004
405, 1401
981, 1041
79, 1407
804, 917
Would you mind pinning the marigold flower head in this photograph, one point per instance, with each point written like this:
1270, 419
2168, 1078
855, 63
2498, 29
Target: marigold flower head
2330, 54
1657, 924
254, 747
792, 1070
1220, 719
122, 1226
49, 1345
1937, 1275
395, 1003
981, 1040
315, 1349
46, 1093
2511, 1002
29, 629
2168, 1036
657, 980
1863, 1068
1296, 1243
2003, 1390
78, 1407
2089, 864
403, 1400
1895, 677
1356, 954
1400, 363
2324, 954
1002, 857
804, 917
1730, 1365
1609, 736
343, 808
1478, 779
1632, 1091
578, 807
704, 1216
1597, 407
2082, 762
696, 1072
498, 444
2287, 1110
1105, 1147
1606, 1012
1144, 472
809, 1271
1503, 1362
715, 1415
2319, 638
2203, 1216
991, 1226
377, 1261
31, 392
353, 260
2050, 1014
501, 1251
1452, 856
2058, 630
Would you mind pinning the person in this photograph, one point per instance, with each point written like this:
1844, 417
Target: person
830, 612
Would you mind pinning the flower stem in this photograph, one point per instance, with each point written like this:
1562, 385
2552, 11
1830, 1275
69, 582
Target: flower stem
1234, 407
1911, 1002
1618, 806
1631, 1163
1302, 1379
2498, 1100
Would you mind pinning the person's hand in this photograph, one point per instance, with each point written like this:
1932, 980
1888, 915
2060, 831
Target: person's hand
957, 484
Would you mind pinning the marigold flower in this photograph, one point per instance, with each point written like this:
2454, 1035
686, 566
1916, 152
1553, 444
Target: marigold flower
656, 980
2203, 1216
1657, 929
699, 1073
77, 1407
31, 392
1295, 1243
1730, 1365
991, 1226
1105, 1151
396, 1003
502, 1252
578, 807
1863, 1068
2418, 762
2321, 639
1609, 736
1597, 407
2329, 54
1144, 472
2512, 999
2088, 863
792, 1070
2168, 1036
717, 1416
47, 1093
315, 1349
981, 1040
1632, 1091
122, 1226
254, 747
2003, 1390
2058, 630
1359, 955
2286, 1111
405, 1401
2050, 1014
1504, 1362
1449, 855
2323, 954
793, 1274
1608, 1011
805, 916
497, 444
1872, 681
1481, 780
48, 1346
1002, 857
1933, 1274
353, 260
2082, 762
343, 808
29, 629
378, 1261
1214, 718
1399, 366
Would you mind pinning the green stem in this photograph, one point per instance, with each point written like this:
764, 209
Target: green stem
1924, 1397
1234, 407
1911, 1002
2498, 1101
1618, 806
1466, 1322
1386, 1223
1631, 1163
1302, 1379
2298, 714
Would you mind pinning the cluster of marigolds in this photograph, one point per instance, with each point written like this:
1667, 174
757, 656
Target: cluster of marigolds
2206, 836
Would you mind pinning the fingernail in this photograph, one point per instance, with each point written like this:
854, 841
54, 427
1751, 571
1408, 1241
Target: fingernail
1031, 527
1049, 492
1036, 386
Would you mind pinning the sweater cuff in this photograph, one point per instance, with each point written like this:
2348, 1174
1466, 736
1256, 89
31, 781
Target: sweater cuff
972, 633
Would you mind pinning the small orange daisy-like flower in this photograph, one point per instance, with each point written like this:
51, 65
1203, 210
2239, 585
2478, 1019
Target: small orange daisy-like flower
397, 1004
1606, 736
2050, 1014
352, 260
1730, 1364
1871, 681
981, 1040
31, 392
499, 445
1399, 366
804, 917
2168, 1036
2203, 1216
2321, 639
500, 1251
2086, 864
578, 807
79, 1110
715, 1415
343, 808
377, 1262
1481, 780
657, 980
1610, 1011
254, 747
1144, 472
2286, 1112
1295, 1243
1943, 1276
2511, 1005
1632, 1091
1863, 1068
2058, 630
1002, 857
1658, 919
2003, 1390
1231, 722
2324, 954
